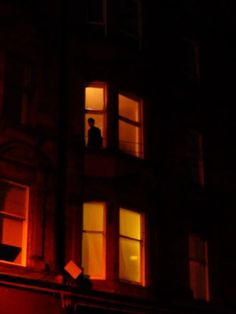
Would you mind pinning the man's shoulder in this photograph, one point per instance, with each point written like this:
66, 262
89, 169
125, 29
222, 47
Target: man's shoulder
97, 129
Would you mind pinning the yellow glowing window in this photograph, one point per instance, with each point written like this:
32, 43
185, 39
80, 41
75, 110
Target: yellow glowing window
130, 126
14, 200
93, 240
198, 266
130, 246
95, 107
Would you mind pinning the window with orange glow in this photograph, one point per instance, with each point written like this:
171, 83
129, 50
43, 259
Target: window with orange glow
95, 107
131, 246
198, 267
93, 240
14, 199
130, 126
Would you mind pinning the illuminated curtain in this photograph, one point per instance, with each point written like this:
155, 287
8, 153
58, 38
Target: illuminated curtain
93, 240
130, 246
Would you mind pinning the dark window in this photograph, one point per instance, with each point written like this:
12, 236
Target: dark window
95, 11
16, 94
129, 20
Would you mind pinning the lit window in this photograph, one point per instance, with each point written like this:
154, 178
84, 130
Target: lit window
198, 264
131, 246
14, 199
95, 107
130, 126
93, 240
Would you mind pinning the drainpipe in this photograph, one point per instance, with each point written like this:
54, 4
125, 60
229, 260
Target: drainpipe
61, 34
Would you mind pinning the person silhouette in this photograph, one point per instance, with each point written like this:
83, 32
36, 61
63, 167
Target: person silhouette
94, 135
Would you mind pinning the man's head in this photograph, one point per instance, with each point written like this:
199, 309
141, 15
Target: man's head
91, 122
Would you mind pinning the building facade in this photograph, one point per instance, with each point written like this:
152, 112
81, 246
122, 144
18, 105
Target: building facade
127, 227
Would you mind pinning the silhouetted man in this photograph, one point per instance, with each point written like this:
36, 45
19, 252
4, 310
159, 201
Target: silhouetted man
94, 135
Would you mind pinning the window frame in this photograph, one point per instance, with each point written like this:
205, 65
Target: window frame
24, 220
138, 124
102, 112
103, 21
142, 281
104, 237
24, 88
139, 20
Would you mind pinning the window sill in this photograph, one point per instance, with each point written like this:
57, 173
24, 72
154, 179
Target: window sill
107, 163
121, 288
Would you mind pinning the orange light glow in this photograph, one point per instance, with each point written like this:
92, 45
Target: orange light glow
129, 108
13, 220
93, 240
95, 107
130, 246
94, 98
130, 128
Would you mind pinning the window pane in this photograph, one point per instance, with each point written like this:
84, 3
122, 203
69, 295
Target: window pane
12, 103
95, 11
129, 139
93, 217
11, 232
129, 108
130, 224
93, 254
13, 199
128, 17
94, 98
13, 229
99, 122
129, 260
198, 281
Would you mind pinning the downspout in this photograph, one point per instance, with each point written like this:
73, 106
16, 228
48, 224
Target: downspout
62, 137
